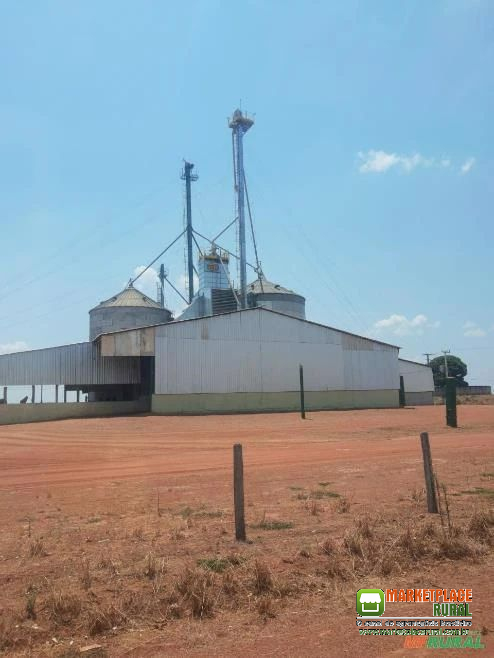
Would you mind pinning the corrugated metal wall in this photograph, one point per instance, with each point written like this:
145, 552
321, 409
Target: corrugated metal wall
68, 364
416, 377
260, 351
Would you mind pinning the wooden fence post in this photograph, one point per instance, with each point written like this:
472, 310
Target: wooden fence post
302, 395
238, 492
429, 474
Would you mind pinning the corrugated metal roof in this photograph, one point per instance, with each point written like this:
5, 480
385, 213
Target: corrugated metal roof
416, 363
269, 287
253, 310
80, 363
130, 296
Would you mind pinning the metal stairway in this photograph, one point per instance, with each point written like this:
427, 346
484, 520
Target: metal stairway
223, 301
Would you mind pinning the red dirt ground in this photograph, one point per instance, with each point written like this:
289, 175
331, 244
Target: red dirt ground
89, 489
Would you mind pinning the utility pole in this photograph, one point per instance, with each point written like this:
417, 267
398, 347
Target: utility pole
240, 124
188, 177
428, 355
446, 352
162, 276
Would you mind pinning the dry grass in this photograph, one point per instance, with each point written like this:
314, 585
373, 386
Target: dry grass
107, 563
216, 564
418, 495
31, 596
318, 494
85, 575
266, 607
248, 581
312, 507
230, 584
196, 590
11, 635
357, 540
262, 579
177, 534
104, 618
337, 566
328, 547
265, 524
63, 606
152, 566
37, 548
342, 505
138, 533
480, 525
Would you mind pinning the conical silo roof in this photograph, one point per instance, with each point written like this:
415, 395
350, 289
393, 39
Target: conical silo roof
267, 287
130, 297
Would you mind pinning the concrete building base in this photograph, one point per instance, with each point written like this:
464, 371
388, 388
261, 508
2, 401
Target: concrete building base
12, 414
230, 403
418, 399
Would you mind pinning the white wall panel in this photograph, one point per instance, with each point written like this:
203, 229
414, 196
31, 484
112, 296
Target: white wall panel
417, 377
259, 351
323, 366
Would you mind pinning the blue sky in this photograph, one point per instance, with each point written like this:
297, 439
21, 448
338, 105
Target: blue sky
370, 165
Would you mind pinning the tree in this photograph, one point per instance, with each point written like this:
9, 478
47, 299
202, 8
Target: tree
456, 369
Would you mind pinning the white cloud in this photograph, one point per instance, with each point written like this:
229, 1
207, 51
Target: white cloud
181, 283
467, 165
472, 330
400, 325
147, 282
16, 346
379, 161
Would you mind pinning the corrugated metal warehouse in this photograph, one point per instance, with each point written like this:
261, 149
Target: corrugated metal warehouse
249, 360
242, 361
419, 382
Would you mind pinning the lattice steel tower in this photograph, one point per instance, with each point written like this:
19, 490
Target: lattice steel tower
240, 124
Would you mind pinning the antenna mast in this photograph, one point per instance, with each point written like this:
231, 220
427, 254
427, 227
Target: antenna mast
240, 124
161, 288
188, 177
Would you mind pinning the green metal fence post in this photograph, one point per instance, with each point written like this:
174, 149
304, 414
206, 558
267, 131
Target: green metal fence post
450, 395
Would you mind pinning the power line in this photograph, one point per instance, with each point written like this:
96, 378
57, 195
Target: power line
77, 259
230, 253
84, 236
157, 258
252, 232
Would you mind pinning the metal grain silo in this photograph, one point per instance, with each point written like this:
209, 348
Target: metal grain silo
129, 309
275, 297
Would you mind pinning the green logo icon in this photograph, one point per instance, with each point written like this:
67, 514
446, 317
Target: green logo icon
370, 602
